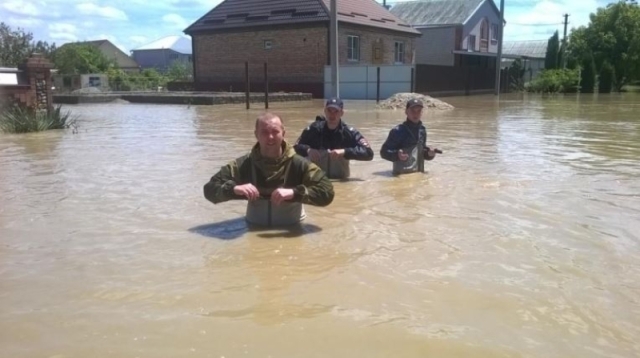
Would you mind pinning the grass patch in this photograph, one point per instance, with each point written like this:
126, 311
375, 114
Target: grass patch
24, 120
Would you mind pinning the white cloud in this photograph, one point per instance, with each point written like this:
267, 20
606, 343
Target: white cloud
24, 22
63, 36
175, 20
20, 7
104, 11
545, 17
61, 27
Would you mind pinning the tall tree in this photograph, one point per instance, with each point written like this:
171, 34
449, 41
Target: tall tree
607, 78
16, 45
81, 58
553, 47
588, 75
613, 36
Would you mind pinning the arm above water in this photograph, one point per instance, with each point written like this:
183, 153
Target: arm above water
306, 140
389, 150
360, 148
316, 189
220, 188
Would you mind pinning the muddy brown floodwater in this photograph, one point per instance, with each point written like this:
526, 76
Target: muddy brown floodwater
522, 240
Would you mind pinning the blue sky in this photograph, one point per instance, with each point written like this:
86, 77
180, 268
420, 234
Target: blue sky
132, 23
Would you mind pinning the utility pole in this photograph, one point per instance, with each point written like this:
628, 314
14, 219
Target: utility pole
333, 41
564, 42
499, 57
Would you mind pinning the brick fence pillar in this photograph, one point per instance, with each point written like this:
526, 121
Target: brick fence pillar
38, 75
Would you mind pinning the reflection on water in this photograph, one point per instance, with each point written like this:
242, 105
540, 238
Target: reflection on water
521, 240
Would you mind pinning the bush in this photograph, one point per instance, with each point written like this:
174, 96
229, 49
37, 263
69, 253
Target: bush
18, 119
555, 81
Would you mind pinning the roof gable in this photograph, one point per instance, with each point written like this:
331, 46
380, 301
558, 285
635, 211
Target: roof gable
176, 43
437, 12
248, 13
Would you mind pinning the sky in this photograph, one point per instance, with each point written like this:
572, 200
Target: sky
133, 23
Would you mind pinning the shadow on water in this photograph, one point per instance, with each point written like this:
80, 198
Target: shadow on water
346, 180
385, 173
234, 228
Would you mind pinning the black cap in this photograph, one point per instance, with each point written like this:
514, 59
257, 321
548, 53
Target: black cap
414, 102
335, 102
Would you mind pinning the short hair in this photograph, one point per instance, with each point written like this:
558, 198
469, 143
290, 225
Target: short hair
265, 117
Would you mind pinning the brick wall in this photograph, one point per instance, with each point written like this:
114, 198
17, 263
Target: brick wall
34, 85
296, 59
296, 55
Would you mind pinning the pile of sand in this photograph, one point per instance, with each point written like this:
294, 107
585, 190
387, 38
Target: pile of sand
399, 101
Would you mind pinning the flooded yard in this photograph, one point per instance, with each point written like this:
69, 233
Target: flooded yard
521, 240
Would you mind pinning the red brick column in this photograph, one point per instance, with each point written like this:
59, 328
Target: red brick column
38, 74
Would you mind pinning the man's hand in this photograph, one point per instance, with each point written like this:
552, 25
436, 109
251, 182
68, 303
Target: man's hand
247, 190
431, 154
336, 153
402, 155
313, 154
281, 195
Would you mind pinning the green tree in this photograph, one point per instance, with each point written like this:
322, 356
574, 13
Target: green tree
180, 71
17, 45
588, 75
81, 58
613, 36
551, 57
607, 78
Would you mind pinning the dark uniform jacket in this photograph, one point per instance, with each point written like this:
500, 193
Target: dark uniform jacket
404, 136
310, 184
319, 136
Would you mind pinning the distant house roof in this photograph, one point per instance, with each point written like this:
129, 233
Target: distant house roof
176, 43
245, 13
531, 49
425, 13
111, 51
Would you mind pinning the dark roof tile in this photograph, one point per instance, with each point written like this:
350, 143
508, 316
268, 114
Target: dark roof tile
243, 13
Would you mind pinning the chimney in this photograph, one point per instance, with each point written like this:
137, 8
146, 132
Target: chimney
384, 4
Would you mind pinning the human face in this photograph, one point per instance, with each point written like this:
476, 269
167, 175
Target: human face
270, 134
333, 115
414, 113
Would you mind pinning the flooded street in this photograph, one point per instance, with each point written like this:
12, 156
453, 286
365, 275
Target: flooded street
521, 240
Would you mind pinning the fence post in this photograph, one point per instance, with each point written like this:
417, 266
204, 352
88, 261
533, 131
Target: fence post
266, 87
246, 82
378, 85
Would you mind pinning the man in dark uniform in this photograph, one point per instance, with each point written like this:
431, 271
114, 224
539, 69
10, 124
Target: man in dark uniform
330, 143
401, 146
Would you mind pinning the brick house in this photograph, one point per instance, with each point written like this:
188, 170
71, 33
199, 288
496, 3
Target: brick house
292, 37
457, 51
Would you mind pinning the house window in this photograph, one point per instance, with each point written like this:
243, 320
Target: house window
399, 52
484, 31
353, 48
267, 44
494, 32
94, 81
471, 45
